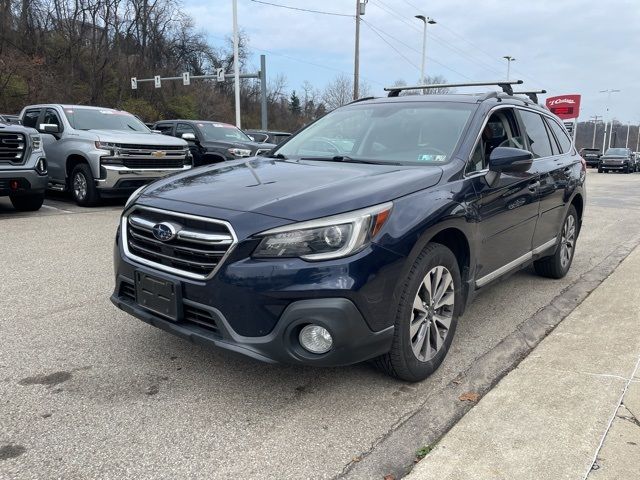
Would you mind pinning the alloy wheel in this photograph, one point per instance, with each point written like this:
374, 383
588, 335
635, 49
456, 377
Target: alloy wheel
432, 313
567, 241
80, 186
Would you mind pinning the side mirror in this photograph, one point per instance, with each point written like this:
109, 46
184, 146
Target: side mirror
49, 128
189, 137
510, 160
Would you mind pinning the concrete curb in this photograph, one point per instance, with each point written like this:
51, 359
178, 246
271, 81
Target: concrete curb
394, 453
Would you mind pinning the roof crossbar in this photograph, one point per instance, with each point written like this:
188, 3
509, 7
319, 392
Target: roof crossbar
532, 94
506, 86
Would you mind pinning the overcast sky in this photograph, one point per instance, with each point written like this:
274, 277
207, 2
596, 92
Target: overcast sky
563, 46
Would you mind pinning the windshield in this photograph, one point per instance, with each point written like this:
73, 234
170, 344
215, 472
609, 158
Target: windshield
618, 151
410, 133
107, 119
222, 131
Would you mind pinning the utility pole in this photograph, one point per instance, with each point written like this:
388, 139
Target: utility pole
427, 21
638, 139
236, 62
626, 145
360, 6
605, 116
509, 59
595, 125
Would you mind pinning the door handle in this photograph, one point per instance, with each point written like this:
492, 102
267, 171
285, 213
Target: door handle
534, 186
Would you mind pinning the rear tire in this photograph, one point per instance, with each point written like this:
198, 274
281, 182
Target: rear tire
426, 317
82, 186
27, 203
600, 170
558, 264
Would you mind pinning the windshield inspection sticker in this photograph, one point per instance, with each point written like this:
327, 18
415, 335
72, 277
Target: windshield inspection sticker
432, 158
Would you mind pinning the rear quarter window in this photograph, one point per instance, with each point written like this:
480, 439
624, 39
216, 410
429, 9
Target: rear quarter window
564, 142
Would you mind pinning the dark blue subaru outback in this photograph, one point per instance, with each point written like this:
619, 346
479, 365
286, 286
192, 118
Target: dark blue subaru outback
364, 236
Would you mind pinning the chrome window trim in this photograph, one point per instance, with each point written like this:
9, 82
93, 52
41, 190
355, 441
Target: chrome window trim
514, 263
158, 266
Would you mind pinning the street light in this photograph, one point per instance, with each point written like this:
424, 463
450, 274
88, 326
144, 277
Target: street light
426, 21
606, 112
509, 59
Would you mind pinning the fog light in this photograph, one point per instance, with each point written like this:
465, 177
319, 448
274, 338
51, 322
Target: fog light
315, 339
41, 166
14, 184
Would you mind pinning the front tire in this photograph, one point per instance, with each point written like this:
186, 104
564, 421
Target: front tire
82, 186
27, 203
426, 317
558, 264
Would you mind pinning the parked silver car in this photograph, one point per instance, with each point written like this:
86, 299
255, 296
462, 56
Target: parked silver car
95, 152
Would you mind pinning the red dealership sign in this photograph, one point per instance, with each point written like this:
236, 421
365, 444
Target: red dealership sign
565, 106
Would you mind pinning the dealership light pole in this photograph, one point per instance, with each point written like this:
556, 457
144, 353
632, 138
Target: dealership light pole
236, 62
509, 59
638, 139
605, 116
626, 145
427, 21
595, 126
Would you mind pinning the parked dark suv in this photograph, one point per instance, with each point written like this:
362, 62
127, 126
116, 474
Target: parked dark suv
617, 159
212, 142
591, 156
364, 236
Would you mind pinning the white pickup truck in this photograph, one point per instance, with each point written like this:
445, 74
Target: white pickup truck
95, 152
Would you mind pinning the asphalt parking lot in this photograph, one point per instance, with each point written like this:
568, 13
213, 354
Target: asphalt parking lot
88, 391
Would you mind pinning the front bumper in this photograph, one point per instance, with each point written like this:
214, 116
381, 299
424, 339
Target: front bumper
258, 307
353, 340
614, 166
30, 182
116, 177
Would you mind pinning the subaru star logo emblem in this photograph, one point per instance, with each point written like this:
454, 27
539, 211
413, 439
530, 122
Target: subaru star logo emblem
164, 231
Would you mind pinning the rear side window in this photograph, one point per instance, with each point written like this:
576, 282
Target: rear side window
164, 128
536, 132
563, 140
31, 118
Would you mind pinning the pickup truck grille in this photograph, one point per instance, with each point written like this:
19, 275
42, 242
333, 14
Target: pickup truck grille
196, 251
153, 162
12, 148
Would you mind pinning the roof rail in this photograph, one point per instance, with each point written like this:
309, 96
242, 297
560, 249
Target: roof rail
361, 99
504, 84
532, 94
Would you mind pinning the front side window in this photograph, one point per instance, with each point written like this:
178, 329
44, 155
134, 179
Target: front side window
536, 132
212, 131
183, 128
31, 118
107, 119
51, 117
501, 130
409, 133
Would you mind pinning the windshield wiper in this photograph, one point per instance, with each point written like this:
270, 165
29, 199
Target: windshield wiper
347, 159
277, 155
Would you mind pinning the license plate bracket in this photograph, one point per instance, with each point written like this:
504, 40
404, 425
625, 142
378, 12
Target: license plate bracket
158, 295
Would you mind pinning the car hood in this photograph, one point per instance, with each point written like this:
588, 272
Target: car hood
290, 189
120, 136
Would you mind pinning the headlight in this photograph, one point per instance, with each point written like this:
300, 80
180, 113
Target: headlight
134, 196
240, 152
326, 238
106, 145
36, 143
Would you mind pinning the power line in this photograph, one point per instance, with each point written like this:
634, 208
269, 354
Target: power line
303, 9
325, 67
374, 28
